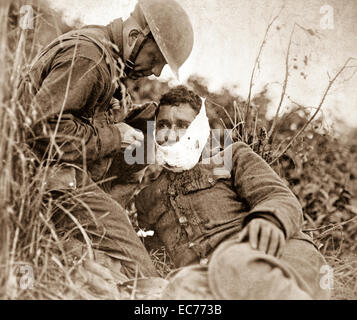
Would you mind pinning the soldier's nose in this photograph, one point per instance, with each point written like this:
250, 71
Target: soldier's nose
157, 70
172, 137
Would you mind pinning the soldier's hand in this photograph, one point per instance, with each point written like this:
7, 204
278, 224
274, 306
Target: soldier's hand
264, 236
130, 137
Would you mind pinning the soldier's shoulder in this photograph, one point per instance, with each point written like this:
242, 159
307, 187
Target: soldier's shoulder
86, 43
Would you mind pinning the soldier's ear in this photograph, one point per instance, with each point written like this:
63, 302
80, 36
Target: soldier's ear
133, 35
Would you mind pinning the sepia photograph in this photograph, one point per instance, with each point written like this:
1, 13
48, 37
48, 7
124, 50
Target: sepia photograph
178, 150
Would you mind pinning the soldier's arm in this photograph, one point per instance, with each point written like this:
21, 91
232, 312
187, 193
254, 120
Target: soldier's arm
265, 192
70, 90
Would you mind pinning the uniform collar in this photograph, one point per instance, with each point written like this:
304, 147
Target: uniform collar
115, 31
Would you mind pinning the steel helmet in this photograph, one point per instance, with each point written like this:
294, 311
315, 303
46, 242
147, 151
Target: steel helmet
171, 28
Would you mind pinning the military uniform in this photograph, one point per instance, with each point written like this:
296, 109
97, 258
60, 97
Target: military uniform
196, 212
68, 91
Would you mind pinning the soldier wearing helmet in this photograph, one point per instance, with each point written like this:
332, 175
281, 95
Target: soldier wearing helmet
154, 18
70, 89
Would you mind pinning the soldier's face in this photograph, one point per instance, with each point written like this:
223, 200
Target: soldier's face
149, 61
172, 122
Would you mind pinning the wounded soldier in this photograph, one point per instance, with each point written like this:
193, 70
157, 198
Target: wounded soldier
233, 229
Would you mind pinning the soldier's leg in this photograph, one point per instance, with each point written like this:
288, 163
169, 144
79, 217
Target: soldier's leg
108, 228
236, 271
188, 283
311, 269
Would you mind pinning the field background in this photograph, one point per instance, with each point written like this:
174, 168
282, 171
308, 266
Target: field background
319, 165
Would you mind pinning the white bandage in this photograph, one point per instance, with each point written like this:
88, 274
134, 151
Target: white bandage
185, 154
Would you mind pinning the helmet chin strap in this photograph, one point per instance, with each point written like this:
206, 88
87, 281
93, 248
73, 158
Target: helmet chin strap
139, 44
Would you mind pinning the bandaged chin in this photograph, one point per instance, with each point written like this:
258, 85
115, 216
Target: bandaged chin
185, 154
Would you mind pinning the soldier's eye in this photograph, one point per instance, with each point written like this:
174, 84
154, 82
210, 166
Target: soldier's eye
162, 125
183, 124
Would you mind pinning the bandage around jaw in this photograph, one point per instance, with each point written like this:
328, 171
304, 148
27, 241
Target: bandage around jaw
185, 154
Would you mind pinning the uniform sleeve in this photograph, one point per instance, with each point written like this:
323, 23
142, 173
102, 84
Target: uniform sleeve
67, 92
267, 195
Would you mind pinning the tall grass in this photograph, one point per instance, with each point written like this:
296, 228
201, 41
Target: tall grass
34, 263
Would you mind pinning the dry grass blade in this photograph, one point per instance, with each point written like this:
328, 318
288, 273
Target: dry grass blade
282, 96
83, 232
256, 64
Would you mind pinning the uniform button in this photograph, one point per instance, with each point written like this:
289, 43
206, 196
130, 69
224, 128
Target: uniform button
183, 220
204, 262
210, 180
171, 191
